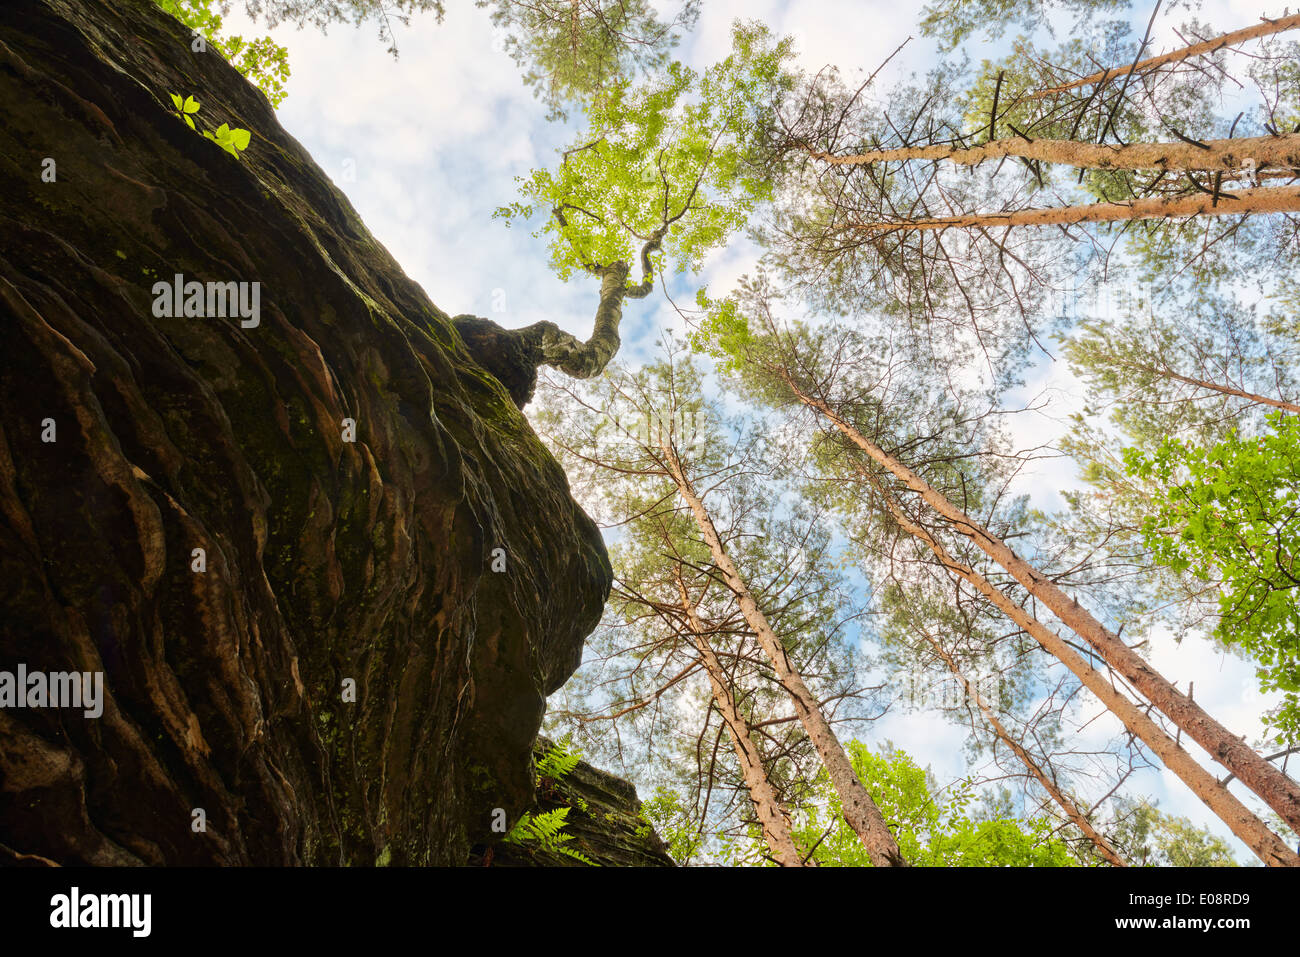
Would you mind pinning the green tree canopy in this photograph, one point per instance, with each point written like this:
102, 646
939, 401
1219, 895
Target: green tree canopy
952, 22
569, 50
661, 162
1230, 513
933, 830
1151, 838
661, 174
262, 60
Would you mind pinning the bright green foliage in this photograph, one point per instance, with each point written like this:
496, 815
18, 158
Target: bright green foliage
558, 762
263, 61
931, 832
666, 814
723, 332
232, 141
1148, 838
571, 49
186, 108
1231, 513
547, 828
322, 14
665, 155
1205, 335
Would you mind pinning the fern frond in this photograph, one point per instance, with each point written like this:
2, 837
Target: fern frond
547, 829
577, 855
558, 762
520, 832
547, 826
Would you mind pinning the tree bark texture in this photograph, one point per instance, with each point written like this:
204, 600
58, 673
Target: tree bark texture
1239, 819
1039, 774
1261, 199
1216, 155
1263, 29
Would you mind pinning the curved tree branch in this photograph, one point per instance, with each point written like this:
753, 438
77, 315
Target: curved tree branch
584, 360
513, 355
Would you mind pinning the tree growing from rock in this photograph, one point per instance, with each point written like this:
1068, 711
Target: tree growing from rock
657, 181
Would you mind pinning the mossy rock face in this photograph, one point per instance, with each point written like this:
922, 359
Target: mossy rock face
327, 561
604, 821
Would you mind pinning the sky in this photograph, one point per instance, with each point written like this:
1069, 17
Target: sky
427, 146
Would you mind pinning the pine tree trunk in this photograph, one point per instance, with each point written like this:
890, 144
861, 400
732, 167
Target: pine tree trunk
1261, 199
767, 807
1063, 800
1267, 28
1240, 820
1207, 385
859, 809
1215, 155
1277, 790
